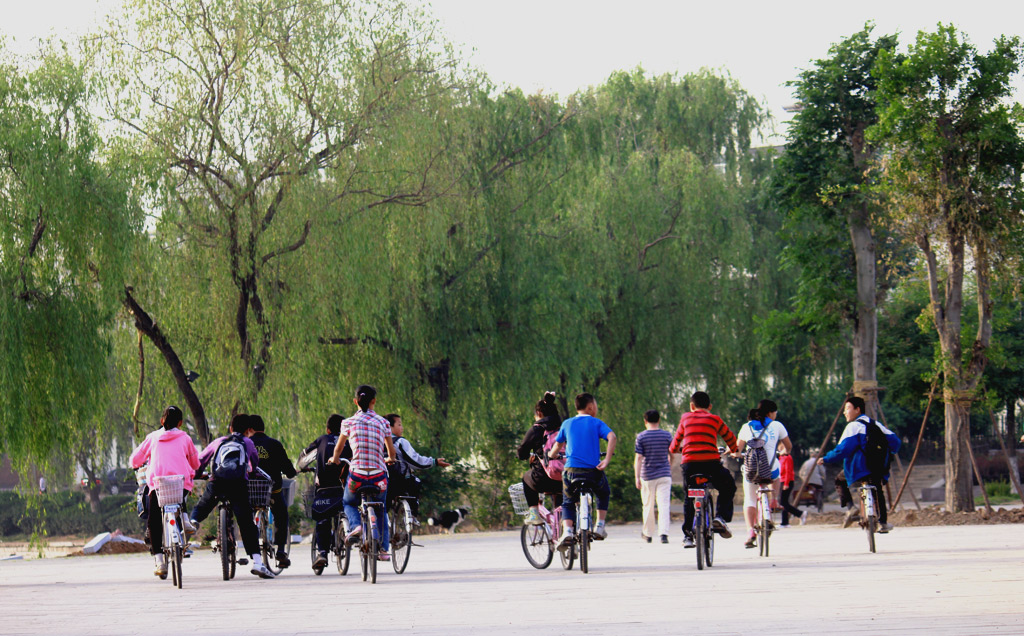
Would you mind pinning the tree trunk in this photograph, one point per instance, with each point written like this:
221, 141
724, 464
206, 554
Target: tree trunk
865, 333
959, 474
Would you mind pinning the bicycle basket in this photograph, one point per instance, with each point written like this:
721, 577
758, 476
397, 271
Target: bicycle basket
515, 491
288, 491
169, 489
259, 491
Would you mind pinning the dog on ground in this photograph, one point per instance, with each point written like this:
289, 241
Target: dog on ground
448, 520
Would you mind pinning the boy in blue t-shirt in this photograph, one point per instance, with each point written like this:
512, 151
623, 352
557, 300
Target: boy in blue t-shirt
581, 437
652, 470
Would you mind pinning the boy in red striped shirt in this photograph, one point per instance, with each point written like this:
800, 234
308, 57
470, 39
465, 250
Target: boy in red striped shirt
697, 439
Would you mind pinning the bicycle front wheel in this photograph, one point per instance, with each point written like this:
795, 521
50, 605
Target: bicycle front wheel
401, 536
265, 529
537, 545
225, 542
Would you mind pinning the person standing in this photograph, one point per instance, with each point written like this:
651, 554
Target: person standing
652, 471
697, 440
581, 437
274, 461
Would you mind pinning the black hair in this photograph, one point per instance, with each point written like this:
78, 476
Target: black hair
364, 395
256, 423
240, 423
334, 423
652, 417
767, 406
171, 417
583, 400
857, 402
546, 405
754, 414
701, 400
391, 417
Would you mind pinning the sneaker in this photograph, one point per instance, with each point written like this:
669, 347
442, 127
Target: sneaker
564, 541
688, 542
415, 522
645, 537
884, 528
785, 525
353, 537
803, 518
851, 515
261, 571
383, 556
190, 526
533, 518
719, 526
599, 532
664, 538
161, 565
321, 561
283, 561
751, 542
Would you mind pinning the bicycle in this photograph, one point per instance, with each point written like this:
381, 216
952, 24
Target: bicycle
339, 530
869, 513
699, 489
369, 539
260, 486
764, 525
226, 545
538, 541
400, 526
583, 535
170, 496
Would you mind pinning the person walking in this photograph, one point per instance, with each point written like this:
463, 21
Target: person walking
652, 472
787, 477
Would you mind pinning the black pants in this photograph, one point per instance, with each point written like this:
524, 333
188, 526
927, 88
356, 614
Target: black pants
280, 511
155, 522
723, 482
401, 485
535, 484
788, 508
878, 483
235, 491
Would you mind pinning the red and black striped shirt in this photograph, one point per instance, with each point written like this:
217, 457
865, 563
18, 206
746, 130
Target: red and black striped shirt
697, 437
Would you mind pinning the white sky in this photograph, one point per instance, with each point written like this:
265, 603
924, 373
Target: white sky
560, 46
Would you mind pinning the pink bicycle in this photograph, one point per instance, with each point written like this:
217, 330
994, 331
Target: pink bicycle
539, 540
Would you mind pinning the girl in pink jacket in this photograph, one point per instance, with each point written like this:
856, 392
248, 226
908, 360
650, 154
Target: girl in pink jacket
169, 451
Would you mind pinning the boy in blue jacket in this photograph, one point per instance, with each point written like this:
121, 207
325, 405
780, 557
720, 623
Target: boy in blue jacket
850, 451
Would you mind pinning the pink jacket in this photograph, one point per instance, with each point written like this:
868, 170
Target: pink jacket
168, 453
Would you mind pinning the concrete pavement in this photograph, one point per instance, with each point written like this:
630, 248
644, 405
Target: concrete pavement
935, 580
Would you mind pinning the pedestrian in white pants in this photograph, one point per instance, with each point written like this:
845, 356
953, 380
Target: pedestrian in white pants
652, 470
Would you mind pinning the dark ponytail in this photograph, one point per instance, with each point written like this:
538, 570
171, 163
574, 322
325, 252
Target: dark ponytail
764, 407
364, 395
171, 417
546, 406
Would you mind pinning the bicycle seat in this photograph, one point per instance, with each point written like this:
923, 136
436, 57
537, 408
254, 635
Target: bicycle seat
368, 489
579, 484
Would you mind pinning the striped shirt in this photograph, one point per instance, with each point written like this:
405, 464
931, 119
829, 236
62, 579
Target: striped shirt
697, 437
652, 445
366, 432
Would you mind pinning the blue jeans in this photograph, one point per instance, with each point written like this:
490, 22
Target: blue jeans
598, 484
352, 500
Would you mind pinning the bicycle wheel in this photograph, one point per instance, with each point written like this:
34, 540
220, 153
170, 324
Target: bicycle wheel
871, 527
537, 545
373, 548
342, 551
224, 542
176, 564
568, 556
709, 540
765, 522
313, 555
401, 536
698, 539
265, 530
584, 545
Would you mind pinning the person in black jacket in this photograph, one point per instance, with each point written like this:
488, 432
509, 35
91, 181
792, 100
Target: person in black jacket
535, 480
327, 476
274, 461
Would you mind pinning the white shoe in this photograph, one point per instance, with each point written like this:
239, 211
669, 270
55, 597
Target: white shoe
564, 540
599, 532
186, 521
261, 571
884, 528
803, 518
160, 568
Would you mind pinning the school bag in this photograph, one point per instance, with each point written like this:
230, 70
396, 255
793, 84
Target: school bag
553, 467
230, 461
876, 450
755, 464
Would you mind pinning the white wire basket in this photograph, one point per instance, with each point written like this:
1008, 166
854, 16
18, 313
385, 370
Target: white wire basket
169, 489
259, 490
288, 491
515, 491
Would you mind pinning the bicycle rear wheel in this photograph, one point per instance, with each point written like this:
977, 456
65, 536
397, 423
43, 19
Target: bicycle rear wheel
537, 545
225, 542
584, 546
709, 537
401, 536
342, 551
265, 529
313, 554
871, 527
698, 539
372, 550
176, 564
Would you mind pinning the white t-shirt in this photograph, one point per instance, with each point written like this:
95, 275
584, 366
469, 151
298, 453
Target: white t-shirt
774, 434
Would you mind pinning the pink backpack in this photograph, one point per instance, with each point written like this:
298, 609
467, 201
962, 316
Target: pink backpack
553, 467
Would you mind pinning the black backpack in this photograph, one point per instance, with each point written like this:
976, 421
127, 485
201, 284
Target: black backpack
230, 461
876, 450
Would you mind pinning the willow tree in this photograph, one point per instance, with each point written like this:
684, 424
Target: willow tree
254, 116
67, 229
836, 241
954, 179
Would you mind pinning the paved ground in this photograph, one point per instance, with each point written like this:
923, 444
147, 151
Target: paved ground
934, 580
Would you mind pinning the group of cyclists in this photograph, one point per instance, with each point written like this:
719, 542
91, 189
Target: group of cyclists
369, 449
373, 447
